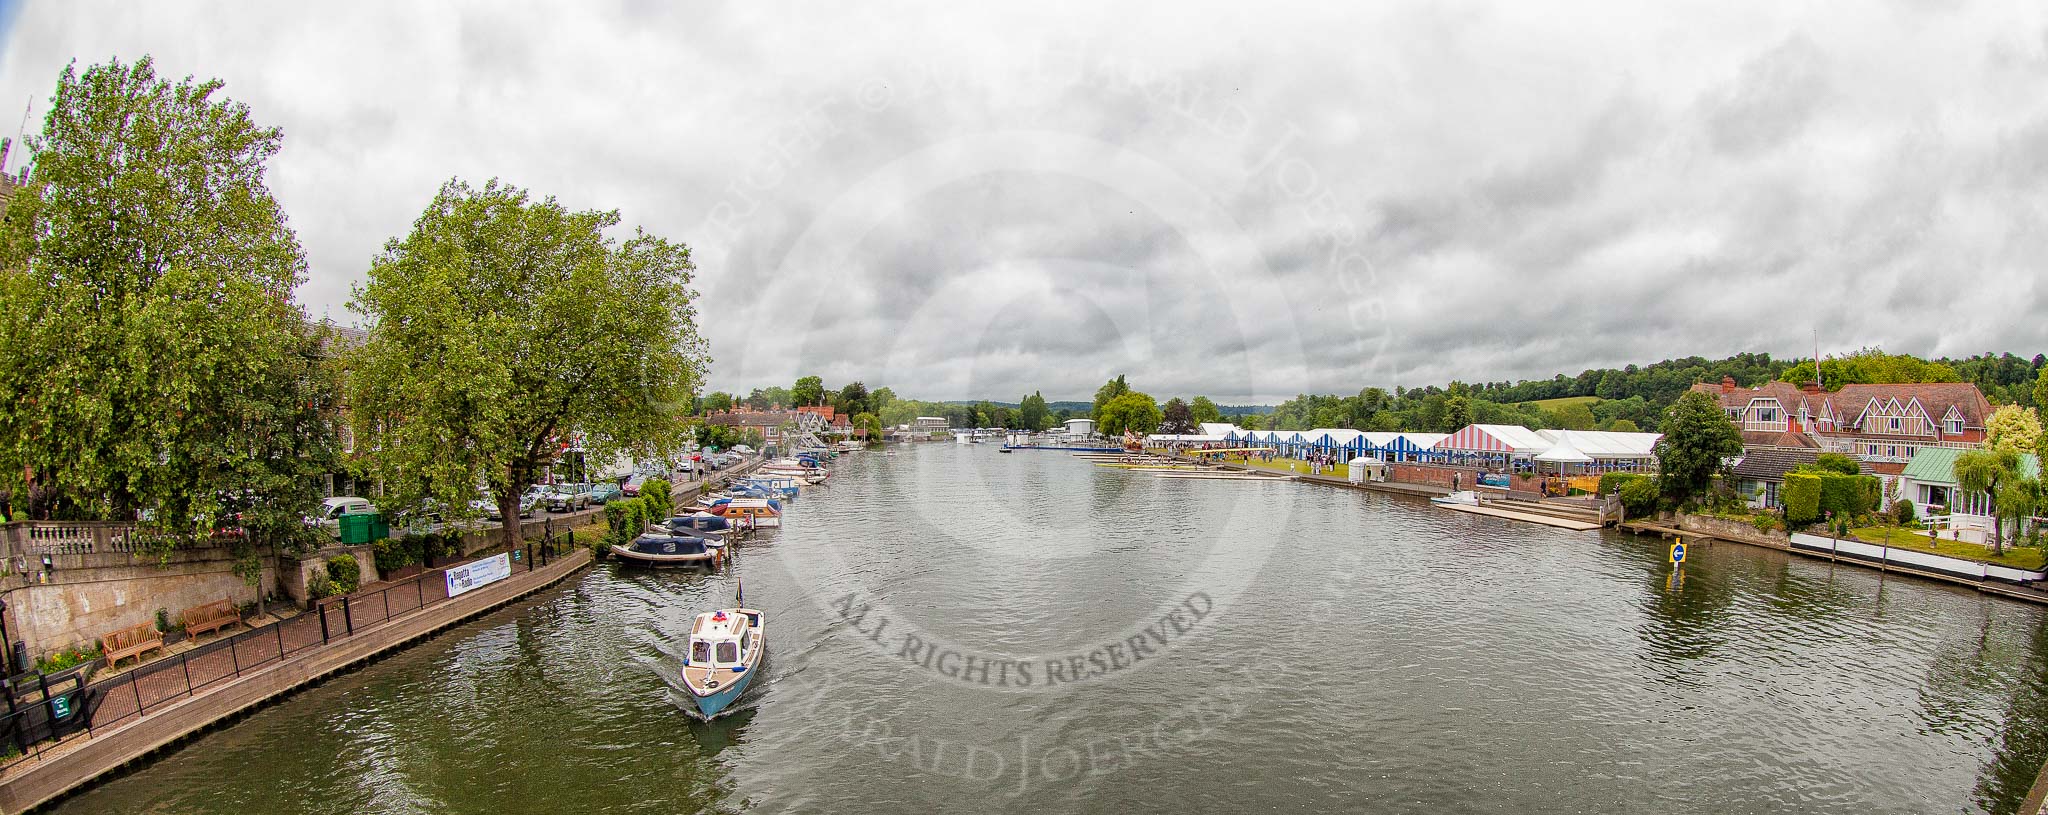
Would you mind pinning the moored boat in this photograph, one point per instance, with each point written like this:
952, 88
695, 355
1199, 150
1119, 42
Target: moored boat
1463, 497
700, 524
727, 649
670, 550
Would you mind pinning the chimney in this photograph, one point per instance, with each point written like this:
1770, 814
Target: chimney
1727, 384
1811, 387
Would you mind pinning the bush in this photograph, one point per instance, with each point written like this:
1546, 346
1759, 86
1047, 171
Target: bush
1837, 463
615, 522
397, 553
67, 659
319, 586
1802, 498
346, 573
655, 493
1639, 496
1766, 522
1611, 483
1847, 496
1903, 512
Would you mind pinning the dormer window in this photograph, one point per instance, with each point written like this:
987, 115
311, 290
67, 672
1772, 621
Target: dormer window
1892, 423
1954, 427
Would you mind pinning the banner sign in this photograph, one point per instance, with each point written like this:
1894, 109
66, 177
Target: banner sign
478, 574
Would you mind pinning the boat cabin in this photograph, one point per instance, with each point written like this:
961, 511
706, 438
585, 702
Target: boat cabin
724, 641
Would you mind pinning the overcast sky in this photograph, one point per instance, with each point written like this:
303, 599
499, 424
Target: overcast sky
1241, 201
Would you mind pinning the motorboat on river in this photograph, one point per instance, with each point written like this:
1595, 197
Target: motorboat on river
1461, 497
727, 649
671, 550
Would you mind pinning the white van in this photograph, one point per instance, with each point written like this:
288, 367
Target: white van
332, 509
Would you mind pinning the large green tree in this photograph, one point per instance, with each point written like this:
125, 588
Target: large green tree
1697, 438
808, 390
1128, 411
1109, 390
499, 326
1032, 413
718, 402
852, 399
154, 364
1205, 410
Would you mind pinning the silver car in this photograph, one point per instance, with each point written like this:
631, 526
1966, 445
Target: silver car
569, 497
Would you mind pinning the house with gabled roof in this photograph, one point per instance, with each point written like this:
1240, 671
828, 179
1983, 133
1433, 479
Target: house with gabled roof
1883, 425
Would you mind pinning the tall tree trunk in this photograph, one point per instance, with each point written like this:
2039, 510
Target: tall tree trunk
508, 509
1997, 523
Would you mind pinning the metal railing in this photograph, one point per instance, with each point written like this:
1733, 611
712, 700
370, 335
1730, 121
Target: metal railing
133, 694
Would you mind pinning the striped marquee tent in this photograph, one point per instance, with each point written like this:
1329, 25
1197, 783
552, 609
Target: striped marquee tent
1401, 446
1495, 443
1336, 441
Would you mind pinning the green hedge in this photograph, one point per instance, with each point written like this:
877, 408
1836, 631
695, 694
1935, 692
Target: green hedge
1639, 496
346, 573
1611, 483
655, 493
1802, 498
1847, 496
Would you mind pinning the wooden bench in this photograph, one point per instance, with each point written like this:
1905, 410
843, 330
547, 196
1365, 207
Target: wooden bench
131, 642
213, 616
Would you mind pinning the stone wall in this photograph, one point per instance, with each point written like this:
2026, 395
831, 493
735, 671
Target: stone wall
300, 572
76, 602
1726, 529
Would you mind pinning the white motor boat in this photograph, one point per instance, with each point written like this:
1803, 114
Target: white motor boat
1463, 497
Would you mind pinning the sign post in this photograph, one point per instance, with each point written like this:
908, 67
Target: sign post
1678, 552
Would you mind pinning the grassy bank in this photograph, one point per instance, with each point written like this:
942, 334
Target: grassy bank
2017, 557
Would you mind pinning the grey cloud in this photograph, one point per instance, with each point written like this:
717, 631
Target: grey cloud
1483, 192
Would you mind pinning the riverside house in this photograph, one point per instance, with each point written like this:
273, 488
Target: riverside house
1883, 425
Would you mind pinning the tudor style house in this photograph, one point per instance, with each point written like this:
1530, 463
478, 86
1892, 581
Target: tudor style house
1882, 425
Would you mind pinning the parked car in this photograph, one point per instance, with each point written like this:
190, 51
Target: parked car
631, 488
528, 503
604, 492
568, 497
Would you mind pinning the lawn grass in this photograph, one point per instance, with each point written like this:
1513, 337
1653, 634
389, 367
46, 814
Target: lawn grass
2017, 557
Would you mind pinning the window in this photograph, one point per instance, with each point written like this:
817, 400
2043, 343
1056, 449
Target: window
728, 653
1892, 423
1955, 426
700, 651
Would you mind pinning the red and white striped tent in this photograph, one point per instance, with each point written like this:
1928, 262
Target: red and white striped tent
1495, 441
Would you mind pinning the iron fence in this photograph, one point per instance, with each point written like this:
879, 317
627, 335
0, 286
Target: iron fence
33, 716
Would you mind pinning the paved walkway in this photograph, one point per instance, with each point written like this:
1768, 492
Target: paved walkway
30, 783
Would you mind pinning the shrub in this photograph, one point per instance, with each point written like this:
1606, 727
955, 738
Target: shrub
398, 553
68, 659
1802, 498
1766, 522
345, 572
616, 522
1837, 463
1903, 512
1639, 496
655, 493
1610, 483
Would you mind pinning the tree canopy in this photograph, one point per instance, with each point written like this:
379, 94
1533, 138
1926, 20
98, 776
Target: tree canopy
1130, 410
1870, 366
501, 325
808, 390
1109, 390
1697, 437
1032, 413
1176, 417
154, 360
1205, 410
2013, 428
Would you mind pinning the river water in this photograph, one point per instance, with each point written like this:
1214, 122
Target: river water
956, 629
